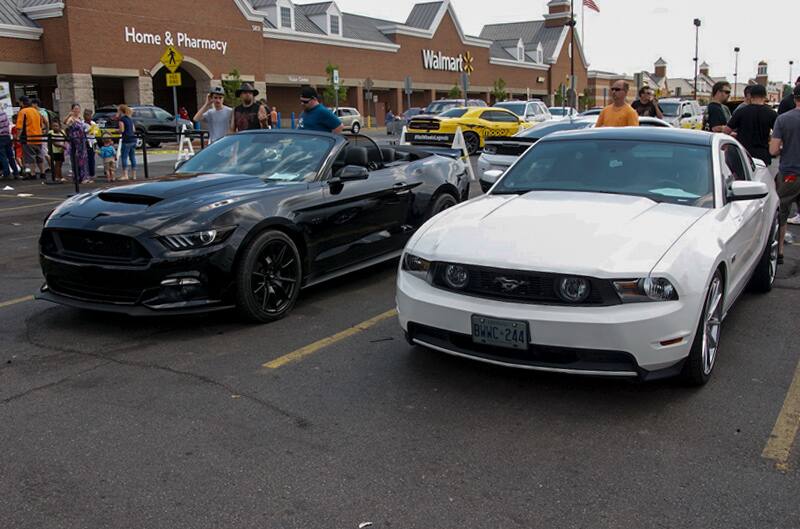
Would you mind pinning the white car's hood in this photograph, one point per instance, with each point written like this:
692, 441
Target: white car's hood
578, 233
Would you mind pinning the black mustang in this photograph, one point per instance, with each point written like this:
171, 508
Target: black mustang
247, 222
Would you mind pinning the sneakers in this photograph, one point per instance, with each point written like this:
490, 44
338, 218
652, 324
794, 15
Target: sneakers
789, 238
794, 220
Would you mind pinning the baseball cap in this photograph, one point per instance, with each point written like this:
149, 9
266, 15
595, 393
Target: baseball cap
217, 91
308, 93
758, 91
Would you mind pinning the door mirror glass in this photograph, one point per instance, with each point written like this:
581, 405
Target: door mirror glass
349, 173
492, 175
747, 190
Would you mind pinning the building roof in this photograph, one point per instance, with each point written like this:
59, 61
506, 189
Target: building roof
259, 4
319, 8
532, 33
364, 28
11, 15
423, 15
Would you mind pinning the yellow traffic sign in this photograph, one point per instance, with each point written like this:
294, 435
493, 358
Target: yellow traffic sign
173, 79
172, 58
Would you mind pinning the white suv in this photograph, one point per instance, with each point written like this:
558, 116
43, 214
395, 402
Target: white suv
351, 118
533, 111
682, 113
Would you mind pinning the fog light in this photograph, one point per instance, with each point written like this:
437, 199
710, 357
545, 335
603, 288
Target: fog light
573, 289
456, 276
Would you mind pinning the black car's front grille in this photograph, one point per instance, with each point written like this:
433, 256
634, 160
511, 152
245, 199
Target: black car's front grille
424, 124
92, 246
94, 290
511, 148
523, 286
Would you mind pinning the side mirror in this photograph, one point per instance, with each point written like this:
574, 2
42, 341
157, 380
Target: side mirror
747, 190
350, 173
492, 175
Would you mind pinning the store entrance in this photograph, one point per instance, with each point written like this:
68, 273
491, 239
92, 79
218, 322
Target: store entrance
187, 92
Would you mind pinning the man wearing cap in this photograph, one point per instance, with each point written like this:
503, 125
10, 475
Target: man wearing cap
248, 115
218, 117
315, 115
785, 143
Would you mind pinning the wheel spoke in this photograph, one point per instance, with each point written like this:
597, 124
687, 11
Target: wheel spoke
267, 294
286, 279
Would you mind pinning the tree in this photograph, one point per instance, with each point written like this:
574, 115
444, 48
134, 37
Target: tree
231, 85
329, 92
454, 93
499, 90
586, 100
559, 98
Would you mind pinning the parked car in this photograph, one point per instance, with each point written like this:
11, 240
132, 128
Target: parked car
158, 124
442, 105
402, 121
682, 113
500, 154
246, 222
350, 117
533, 111
615, 252
563, 112
476, 123
591, 112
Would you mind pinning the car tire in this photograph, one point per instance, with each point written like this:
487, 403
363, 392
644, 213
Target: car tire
700, 363
472, 141
154, 144
356, 128
268, 277
442, 202
764, 274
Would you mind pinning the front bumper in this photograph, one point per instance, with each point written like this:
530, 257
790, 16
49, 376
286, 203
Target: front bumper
618, 341
197, 281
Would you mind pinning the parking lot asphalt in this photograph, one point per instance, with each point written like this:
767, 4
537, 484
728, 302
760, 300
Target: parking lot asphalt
329, 419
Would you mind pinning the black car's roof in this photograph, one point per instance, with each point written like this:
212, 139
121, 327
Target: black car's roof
555, 126
661, 134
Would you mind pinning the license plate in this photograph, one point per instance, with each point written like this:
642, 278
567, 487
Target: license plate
502, 333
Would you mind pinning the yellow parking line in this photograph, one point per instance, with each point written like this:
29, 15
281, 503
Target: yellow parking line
780, 441
40, 204
15, 301
27, 198
301, 353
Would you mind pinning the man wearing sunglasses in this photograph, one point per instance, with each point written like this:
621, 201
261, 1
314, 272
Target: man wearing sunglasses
315, 115
718, 114
619, 113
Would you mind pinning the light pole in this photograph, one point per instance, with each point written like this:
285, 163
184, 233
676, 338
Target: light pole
791, 81
696, 52
736, 72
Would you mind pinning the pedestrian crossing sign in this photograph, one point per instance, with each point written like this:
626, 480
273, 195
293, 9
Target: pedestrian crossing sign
173, 79
172, 58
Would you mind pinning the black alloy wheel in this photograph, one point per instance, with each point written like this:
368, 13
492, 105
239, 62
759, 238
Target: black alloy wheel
473, 142
268, 277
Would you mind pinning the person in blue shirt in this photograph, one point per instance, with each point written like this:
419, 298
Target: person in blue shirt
315, 115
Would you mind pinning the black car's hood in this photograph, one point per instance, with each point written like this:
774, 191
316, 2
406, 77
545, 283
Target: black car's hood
147, 206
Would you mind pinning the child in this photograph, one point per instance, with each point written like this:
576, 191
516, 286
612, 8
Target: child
109, 156
59, 140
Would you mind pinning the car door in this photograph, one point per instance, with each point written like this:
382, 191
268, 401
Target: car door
162, 121
502, 123
360, 219
743, 219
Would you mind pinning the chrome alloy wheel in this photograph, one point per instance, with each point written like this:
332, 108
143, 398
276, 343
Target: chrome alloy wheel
773, 250
712, 325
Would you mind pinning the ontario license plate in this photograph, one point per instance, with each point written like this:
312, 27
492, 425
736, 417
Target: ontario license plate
502, 333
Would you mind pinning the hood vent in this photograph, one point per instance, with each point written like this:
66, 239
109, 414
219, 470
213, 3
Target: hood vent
129, 198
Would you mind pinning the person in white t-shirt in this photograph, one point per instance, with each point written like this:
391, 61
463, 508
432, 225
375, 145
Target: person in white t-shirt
216, 115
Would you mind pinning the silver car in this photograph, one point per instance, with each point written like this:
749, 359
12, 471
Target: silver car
351, 118
533, 111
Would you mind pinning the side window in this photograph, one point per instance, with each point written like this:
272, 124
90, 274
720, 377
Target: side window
500, 116
732, 163
143, 113
161, 114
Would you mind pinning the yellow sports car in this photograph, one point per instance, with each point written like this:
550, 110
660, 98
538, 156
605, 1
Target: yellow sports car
477, 124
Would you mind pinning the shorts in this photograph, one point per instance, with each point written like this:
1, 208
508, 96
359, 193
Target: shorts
788, 192
32, 153
109, 164
58, 157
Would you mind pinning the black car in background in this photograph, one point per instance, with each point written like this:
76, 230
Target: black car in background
247, 222
158, 124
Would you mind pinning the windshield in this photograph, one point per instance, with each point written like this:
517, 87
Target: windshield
516, 108
453, 113
669, 109
543, 130
664, 172
437, 107
272, 156
558, 111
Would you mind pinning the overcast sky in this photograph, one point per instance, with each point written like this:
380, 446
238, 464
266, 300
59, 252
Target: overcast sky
629, 35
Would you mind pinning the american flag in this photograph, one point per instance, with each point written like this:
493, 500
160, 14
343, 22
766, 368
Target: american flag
591, 5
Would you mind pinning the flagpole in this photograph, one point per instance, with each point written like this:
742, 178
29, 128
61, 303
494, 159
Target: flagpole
583, 24
572, 52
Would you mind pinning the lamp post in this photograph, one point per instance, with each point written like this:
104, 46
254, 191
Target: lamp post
736, 50
696, 52
791, 81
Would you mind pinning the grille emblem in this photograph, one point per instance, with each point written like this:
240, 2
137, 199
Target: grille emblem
509, 285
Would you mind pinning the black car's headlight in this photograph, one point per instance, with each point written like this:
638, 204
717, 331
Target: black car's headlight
646, 289
490, 149
198, 239
416, 265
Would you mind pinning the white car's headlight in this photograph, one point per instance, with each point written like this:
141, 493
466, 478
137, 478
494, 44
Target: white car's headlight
198, 239
416, 265
646, 289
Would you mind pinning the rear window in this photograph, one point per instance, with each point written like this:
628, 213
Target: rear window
440, 106
454, 113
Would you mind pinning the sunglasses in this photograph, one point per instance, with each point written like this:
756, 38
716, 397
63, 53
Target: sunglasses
305, 101
726, 92
617, 89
